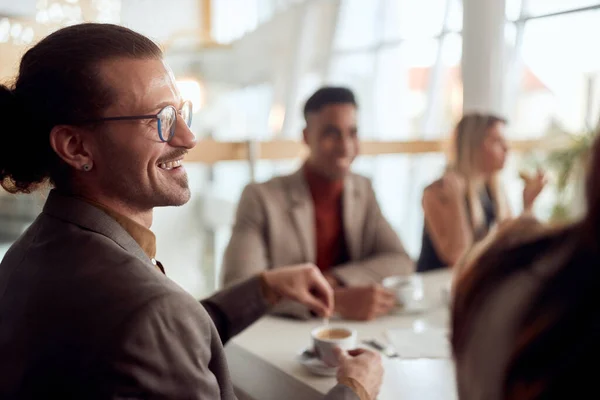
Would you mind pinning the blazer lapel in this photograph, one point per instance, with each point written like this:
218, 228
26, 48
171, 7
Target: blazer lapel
302, 210
85, 215
351, 218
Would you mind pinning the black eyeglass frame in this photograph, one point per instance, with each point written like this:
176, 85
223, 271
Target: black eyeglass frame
156, 116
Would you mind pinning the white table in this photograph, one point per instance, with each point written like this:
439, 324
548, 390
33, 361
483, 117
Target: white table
263, 366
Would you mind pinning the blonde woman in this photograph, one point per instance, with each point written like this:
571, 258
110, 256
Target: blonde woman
461, 207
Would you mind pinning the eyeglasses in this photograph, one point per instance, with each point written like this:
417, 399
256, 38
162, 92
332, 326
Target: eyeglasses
167, 119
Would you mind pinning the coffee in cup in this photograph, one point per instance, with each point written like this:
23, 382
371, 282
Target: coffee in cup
334, 333
327, 338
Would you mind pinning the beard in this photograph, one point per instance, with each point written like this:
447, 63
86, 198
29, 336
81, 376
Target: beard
144, 187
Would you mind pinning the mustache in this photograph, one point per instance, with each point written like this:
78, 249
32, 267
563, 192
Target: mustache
173, 155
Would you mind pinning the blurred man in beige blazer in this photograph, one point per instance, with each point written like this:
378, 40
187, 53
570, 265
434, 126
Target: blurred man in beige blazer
86, 311
322, 214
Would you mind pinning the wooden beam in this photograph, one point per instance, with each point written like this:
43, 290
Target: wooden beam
405, 147
206, 18
202, 36
548, 144
209, 151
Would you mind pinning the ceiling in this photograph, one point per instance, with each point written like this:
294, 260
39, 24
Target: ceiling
255, 57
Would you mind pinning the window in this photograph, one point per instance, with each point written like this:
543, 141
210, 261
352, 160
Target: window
234, 18
451, 107
409, 19
541, 7
357, 24
513, 9
559, 73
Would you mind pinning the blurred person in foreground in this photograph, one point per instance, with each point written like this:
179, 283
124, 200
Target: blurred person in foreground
462, 206
86, 311
322, 214
525, 313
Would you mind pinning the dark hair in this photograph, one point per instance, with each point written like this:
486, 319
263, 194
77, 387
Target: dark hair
328, 95
58, 83
557, 338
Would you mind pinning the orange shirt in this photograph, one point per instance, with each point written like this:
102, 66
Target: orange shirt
142, 235
329, 227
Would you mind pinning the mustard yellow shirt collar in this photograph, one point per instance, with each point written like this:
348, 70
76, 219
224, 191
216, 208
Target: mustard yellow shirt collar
144, 237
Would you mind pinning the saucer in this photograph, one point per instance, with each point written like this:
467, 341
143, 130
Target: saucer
310, 361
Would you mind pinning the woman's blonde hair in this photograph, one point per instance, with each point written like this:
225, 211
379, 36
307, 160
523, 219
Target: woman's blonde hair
468, 138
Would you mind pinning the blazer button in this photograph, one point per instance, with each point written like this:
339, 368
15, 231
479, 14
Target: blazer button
153, 261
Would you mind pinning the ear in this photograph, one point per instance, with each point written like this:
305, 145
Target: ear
305, 135
70, 145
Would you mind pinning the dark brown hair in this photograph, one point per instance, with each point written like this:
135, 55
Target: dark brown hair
328, 95
557, 338
58, 83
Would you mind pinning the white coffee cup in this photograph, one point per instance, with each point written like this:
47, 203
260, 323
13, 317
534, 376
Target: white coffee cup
408, 290
326, 338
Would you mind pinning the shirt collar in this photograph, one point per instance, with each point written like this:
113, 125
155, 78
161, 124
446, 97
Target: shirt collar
322, 188
144, 237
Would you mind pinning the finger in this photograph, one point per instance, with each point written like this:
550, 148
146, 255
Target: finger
540, 172
541, 179
322, 289
382, 310
357, 352
327, 310
315, 304
372, 355
386, 303
340, 355
388, 294
384, 294
523, 175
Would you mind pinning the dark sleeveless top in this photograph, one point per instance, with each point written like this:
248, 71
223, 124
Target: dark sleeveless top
429, 259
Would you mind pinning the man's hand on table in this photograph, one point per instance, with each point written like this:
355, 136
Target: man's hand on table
303, 283
363, 366
363, 303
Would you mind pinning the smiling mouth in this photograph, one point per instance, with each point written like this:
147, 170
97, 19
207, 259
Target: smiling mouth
167, 166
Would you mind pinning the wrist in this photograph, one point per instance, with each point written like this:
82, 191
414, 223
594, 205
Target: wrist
269, 294
527, 213
356, 387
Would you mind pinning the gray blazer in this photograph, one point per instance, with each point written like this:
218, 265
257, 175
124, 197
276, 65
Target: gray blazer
84, 314
274, 227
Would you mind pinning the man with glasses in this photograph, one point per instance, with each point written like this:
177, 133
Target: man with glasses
86, 311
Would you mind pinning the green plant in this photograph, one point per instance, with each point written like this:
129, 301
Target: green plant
567, 167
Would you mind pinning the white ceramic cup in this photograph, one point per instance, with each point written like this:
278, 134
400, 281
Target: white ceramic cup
326, 338
408, 290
